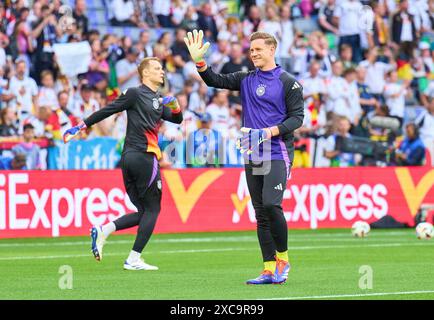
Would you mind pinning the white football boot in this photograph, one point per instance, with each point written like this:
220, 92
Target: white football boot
139, 264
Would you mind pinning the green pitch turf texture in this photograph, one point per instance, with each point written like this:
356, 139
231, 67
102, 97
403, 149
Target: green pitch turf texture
326, 264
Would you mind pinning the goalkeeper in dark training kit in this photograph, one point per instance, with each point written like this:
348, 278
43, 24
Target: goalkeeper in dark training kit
139, 162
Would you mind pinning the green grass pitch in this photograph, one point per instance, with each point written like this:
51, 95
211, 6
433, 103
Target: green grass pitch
326, 264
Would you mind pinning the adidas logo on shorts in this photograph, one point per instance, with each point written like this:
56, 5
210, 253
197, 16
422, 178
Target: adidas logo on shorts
278, 187
296, 86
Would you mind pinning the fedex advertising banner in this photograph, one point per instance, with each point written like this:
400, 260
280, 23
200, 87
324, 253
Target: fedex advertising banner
66, 203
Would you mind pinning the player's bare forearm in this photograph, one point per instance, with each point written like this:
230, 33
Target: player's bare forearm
274, 131
271, 132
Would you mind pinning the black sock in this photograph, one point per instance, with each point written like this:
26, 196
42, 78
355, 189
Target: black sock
144, 232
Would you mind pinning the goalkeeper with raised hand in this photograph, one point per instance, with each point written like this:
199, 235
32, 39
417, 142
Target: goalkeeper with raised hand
139, 161
272, 102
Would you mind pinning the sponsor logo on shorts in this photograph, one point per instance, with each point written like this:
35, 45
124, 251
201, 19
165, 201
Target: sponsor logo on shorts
279, 187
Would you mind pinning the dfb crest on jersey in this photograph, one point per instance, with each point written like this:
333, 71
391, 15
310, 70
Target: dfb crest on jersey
260, 90
155, 103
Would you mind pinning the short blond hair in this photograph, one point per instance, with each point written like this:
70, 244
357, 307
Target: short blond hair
144, 64
269, 38
46, 73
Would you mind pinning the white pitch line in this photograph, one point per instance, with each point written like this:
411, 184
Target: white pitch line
376, 245
345, 234
352, 295
313, 238
209, 240
222, 250
174, 240
118, 254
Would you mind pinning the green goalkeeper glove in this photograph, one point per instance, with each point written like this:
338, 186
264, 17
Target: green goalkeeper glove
194, 43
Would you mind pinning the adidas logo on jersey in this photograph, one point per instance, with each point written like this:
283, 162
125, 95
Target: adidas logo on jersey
296, 86
278, 187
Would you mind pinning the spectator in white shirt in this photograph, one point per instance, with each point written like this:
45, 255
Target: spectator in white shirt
145, 45
346, 15
343, 95
320, 50
219, 111
418, 8
314, 93
4, 42
198, 99
426, 56
355, 110
299, 54
219, 57
25, 91
337, 90
271, 24
162, 11
375, 72
47, 94
126, 70
394, 93
313, 84
287, 37
85, 105
221, 16
427, 19
190, 118
425, 122
253, 22
404, 31
178, 10
39, 121
123, 13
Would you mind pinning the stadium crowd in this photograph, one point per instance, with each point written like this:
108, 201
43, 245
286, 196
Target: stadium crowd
366, 68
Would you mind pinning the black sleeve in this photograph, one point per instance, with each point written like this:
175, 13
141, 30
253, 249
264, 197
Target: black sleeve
168, 115
294, 105
85, 25
231, 81
123, 102
420, 121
